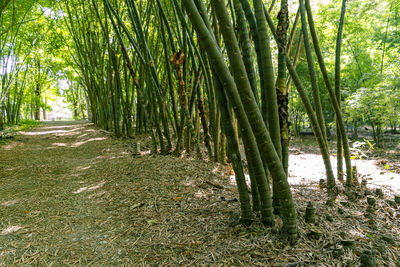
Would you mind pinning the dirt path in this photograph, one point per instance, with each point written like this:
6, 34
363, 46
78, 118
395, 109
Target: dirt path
50, 195
71, 195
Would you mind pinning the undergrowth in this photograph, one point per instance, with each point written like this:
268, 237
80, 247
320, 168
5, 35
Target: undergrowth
26, 124
22, 125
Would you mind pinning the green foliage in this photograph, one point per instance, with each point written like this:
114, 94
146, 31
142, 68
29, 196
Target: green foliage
27, 124
369, 66
33, 56
21, 126
377, 106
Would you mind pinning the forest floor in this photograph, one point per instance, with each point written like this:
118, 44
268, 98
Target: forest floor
72, 195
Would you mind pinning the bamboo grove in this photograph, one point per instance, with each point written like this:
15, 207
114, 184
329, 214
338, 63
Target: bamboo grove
208, 78
199, 76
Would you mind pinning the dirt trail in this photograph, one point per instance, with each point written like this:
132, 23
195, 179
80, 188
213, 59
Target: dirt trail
71, 195
50, 179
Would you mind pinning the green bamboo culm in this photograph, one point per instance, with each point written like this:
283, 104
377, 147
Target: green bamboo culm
235, 157
256, 169
264, 142
246, 48
217, 61
252, 155
317, 100
333, 99
312, 73
281, 88
309, 110
169, 76
251, 19
270, 92
339, 139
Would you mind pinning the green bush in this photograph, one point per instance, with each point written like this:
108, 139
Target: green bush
27, 124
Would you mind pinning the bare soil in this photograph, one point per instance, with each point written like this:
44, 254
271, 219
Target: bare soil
380, 167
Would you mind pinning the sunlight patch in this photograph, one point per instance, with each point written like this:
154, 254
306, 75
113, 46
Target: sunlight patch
232, 179
12, 145
215, 170
61, 126
357, 233
148, 152
10, 203
91, 188
96, 186
59, 132
80, 190
7, 252
200, 194
189, 183
59, 144
81, 168
83, 135
301, 171
11, 229
78, 144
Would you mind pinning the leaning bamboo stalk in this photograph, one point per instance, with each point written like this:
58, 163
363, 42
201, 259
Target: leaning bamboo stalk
339, 139
312, 73
252, 114
307, 105
264, 141
219, 67
332, 96
246, 48
270, 100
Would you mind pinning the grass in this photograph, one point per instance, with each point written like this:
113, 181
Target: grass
26, 125
22, 125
